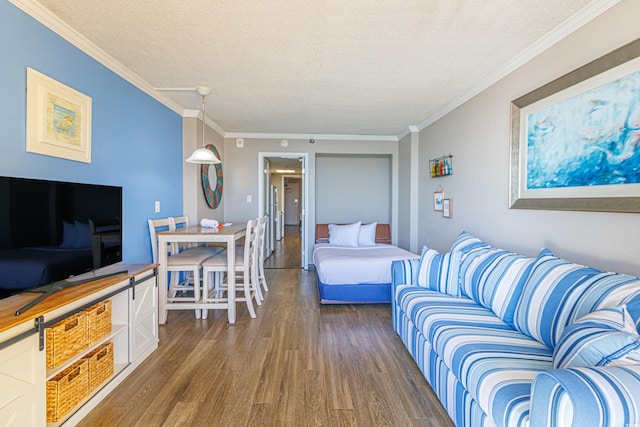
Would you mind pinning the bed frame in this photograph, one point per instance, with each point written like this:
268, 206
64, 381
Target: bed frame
363, 293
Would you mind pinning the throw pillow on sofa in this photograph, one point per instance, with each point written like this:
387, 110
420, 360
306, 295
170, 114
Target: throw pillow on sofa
441, 272
494, 278
603, 338
549, 297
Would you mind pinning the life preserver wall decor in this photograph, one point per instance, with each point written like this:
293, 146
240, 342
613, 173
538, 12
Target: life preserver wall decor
212, 184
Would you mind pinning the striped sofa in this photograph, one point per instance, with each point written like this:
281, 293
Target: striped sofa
507, 340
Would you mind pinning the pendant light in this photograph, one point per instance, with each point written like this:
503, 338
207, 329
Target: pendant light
203, 155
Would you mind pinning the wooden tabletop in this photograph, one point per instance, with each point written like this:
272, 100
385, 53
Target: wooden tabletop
196, 229
8, 306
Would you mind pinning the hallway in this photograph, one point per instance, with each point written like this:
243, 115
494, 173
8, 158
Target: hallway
287, 251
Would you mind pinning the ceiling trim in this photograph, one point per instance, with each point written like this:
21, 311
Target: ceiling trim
324, 137
588, 13
51, 21
55, 24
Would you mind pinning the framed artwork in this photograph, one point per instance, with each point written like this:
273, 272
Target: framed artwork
212, 180
575, 142
438, 196
58, 119
447, 208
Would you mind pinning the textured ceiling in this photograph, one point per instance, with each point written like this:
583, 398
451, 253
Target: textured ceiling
340, 67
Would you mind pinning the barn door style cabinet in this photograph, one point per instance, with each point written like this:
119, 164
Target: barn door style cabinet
61, 357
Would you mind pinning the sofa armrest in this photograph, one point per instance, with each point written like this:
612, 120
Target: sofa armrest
593, 396
404, 272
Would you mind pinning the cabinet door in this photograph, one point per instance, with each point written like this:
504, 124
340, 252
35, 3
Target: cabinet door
22, 384
143, 318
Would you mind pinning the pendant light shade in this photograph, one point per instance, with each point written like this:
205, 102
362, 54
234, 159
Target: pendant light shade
203, 155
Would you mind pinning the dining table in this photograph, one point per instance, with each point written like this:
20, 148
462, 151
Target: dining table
228, 234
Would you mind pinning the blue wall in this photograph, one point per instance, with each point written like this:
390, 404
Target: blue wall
136, 141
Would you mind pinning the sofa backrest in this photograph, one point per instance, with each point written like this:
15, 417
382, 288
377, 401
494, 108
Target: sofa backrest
494, 278
441, 272
558, 292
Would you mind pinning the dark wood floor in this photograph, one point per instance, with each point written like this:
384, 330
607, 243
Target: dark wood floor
287, 252
297, 364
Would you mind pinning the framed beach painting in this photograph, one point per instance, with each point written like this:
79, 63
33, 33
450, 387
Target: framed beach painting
58, 119
575, 142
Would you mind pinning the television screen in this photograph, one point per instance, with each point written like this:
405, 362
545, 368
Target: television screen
52, 230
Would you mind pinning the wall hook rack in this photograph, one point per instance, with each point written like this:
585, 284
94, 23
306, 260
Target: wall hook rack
441, 166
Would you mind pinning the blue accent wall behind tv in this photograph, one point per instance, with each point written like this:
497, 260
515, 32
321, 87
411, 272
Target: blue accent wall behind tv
136, 141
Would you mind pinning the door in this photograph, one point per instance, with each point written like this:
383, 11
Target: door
292, 196
273, 217
143, 318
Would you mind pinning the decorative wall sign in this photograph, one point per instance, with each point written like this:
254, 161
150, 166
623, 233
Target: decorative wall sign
212, 180
575, 142
58, 119
447, 208
438, 196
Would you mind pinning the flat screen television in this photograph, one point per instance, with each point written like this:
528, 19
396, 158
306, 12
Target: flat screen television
51, 230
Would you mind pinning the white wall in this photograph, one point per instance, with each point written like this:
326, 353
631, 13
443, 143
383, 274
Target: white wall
353, 188
194, 204
404, 192
477, 134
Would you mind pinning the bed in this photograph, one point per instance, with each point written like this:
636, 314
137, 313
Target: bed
30, 267
347, 273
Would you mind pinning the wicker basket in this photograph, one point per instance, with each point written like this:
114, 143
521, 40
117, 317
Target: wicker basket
100, 365
98, 320
66, 338
67, 389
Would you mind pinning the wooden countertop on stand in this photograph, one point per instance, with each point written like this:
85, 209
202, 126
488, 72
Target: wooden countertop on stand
10, 305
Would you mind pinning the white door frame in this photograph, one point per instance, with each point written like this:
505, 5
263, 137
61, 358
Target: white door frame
305, 195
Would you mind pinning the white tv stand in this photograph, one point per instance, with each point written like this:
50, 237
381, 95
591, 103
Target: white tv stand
23, 372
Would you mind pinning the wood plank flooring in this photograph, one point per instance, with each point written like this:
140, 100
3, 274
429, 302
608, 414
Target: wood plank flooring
297, 364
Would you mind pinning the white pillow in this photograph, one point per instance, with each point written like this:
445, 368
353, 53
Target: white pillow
344, 235
367, 236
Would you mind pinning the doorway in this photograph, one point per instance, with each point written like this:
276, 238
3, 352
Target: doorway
292, 196
282, 198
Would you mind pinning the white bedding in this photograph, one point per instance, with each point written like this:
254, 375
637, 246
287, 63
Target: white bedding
340, 265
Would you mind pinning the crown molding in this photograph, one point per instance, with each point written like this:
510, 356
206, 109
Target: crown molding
191, 113
55, 24
49, 20
588, 13
319, 137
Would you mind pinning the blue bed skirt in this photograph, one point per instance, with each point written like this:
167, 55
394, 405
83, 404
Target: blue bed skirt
363, 293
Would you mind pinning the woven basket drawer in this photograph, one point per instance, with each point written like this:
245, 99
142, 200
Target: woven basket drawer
100, 365
67, 389
66, 338
99, 321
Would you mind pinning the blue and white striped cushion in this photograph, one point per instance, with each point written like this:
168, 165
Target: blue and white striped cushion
484, 354
467, 242
549, 297
496, 366
587, 397
606, 337
610, 289
441, 272
494, 278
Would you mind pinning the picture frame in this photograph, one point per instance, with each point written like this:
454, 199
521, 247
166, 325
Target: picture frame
572, 143
447, 208
58, 119
438, 196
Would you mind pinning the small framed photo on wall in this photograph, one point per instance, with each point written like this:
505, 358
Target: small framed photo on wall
438, 196
447, 208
